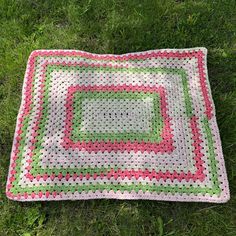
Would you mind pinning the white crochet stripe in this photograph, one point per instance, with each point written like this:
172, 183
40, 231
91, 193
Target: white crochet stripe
117, 115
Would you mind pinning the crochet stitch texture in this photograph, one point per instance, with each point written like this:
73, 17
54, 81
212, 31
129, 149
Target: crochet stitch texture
132, 126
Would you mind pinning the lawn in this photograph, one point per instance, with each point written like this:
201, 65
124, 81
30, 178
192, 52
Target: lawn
118, 26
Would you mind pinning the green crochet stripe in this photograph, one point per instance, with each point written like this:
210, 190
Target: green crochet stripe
157, 121
213, 161
119, 187
25, 123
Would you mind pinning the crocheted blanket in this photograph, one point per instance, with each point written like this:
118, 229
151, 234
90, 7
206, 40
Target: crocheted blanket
132, 126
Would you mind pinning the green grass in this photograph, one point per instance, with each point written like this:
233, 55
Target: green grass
106, 26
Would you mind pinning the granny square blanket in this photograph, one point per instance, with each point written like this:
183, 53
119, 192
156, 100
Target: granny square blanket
132, 126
